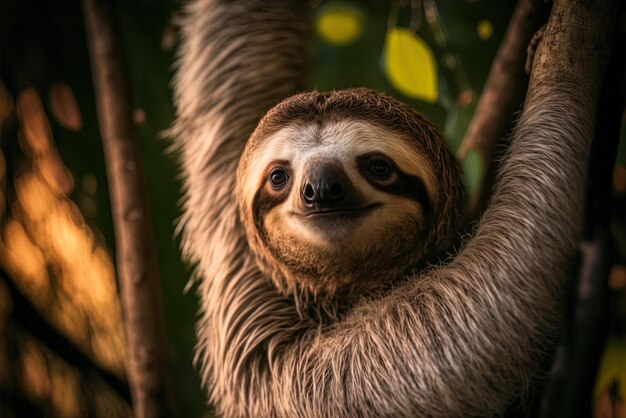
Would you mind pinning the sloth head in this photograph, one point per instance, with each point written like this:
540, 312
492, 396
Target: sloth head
343, 192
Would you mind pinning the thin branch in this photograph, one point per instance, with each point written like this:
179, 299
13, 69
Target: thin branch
502, 96
140, 290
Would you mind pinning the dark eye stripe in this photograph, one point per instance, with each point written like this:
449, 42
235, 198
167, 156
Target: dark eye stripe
404, 184
263, 201
268, 196
380, 169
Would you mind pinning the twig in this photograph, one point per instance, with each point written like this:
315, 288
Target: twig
147, 368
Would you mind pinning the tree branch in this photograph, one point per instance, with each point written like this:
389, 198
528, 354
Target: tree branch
568, 391
502, 96
136, 255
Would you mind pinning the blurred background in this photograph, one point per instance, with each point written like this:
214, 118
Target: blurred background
61, 338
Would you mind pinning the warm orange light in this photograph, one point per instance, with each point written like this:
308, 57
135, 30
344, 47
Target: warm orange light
35, 378
55, 173
65, 108
34, 196
70, 240
34, 124
54, 258
23, 258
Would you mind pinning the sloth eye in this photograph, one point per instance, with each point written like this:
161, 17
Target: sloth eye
278, 178
380, 169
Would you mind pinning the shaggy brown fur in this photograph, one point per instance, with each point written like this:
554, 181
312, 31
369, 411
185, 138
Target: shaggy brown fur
338, 275
456, 340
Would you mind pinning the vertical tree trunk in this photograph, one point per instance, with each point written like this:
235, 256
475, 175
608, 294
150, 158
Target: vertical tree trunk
568, 392
135, 250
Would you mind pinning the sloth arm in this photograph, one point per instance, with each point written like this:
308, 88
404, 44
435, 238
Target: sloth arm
459, 340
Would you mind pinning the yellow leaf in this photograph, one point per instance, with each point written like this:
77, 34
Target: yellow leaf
339, 24
410, 65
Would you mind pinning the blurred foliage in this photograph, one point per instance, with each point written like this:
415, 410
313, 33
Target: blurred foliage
339, 23
410, 65
47, 54
43, 52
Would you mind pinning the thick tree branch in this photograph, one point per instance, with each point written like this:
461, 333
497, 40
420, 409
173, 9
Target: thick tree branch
568, 392
502, 96
136, 255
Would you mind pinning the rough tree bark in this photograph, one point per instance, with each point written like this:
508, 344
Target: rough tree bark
568, 391
502, 96
147, 368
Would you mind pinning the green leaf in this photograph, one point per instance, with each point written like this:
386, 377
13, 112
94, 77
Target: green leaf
473, 168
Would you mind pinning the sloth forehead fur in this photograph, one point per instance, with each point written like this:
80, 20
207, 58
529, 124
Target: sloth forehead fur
341, 142
375, 226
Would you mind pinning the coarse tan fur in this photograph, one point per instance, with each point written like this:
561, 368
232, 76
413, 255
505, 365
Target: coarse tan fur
456, 340
311, 129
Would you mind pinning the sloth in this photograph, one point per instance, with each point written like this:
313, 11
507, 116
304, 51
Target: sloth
346, 204
342, 193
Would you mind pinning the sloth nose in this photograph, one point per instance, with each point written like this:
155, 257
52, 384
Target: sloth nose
325, 183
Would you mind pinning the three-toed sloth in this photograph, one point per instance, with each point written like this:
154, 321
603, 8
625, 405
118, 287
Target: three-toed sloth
343, 193
318, 234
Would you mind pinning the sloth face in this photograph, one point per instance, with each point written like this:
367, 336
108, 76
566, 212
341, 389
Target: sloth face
337, 207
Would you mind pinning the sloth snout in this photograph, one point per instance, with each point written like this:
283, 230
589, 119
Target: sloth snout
326, 183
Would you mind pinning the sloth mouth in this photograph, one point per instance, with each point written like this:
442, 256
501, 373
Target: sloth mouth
342, 212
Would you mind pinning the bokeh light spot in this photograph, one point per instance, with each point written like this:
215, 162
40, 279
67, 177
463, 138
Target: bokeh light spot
484, 29
339, 24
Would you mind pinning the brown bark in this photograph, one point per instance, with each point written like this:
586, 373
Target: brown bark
575, 49
136, 255
568, 391
502, 96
